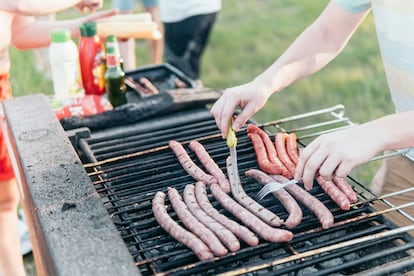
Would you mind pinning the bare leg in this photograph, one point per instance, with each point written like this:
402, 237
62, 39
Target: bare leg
11, 261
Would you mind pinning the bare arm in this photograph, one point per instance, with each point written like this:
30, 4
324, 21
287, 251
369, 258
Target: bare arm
36, 7
339, 152
321, 42
29, 33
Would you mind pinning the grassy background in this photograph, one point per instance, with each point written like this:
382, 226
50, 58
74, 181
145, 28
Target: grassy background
248, 36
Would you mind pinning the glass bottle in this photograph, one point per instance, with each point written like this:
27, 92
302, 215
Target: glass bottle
114, 75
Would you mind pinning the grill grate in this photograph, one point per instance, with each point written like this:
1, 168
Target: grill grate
128, 165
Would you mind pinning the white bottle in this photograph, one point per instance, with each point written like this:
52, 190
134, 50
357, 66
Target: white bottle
64, 61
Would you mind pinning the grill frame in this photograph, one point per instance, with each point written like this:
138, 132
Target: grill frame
35, 138
141, 154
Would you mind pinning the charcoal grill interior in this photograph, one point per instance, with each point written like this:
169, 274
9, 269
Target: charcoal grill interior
129, 164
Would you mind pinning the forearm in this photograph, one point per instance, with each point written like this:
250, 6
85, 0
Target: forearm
36, 7
394, 131
313, 49
37, 34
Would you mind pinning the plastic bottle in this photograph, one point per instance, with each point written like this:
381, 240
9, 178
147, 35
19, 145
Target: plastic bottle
92, 60
114, 76
63, 56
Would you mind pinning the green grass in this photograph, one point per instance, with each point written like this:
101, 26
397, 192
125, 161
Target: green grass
248, 36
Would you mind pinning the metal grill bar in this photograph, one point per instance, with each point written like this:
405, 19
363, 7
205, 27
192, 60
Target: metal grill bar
134, 163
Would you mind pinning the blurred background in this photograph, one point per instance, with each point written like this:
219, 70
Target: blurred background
247, 37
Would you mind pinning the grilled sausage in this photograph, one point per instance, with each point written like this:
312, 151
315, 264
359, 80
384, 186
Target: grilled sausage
312, 203
292, 148
210, 165
195, 225
280, 143
239, 230
262, 157
176, 231
189, 166
252, 205
334, 193
290, 204
270, 148
148, 85
224, 234
250, 220
344, 186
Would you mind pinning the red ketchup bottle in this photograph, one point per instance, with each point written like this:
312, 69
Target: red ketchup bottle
91, 60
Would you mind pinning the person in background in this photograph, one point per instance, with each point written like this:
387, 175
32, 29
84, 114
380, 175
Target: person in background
21, 30
339, 152
187, 28
127, 46
41, 55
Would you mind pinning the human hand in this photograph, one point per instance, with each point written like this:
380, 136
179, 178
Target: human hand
337, 153
249, 97
91, 5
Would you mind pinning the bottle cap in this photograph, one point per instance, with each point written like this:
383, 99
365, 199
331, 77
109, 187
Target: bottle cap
111, 38
88, 29
60, 35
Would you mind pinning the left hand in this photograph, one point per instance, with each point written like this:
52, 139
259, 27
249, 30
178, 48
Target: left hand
89, 5
337, 153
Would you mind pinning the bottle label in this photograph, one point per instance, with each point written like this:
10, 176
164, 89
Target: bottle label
112, 61
98, 70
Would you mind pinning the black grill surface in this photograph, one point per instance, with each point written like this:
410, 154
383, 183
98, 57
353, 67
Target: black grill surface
129, 164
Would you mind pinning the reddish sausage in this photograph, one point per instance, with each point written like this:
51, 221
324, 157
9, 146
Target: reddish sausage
226, 237
314, 205
280, 143
194, 225
189, 166
252, 205
257, 225
239, 230
334, 193
270, 148
292, 148
290, 204
262, 157
344, 186
176, 231
210, 165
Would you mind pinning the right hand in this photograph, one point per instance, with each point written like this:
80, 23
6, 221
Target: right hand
250, 97
91, 5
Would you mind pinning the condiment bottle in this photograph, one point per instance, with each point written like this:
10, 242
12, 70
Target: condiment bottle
63, 56
91, 59
114, 76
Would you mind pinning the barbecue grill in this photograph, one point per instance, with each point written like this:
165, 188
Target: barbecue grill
87, 198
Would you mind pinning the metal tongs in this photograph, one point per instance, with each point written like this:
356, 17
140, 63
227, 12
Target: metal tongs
272, 187
231, 141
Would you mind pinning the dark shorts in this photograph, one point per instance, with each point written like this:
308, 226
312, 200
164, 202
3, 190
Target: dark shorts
185, 42
6, 169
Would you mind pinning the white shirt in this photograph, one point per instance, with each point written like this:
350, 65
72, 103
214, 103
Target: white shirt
176, 10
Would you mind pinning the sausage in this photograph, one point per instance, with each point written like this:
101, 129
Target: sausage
270, 149
334, 193
324, 215
195, 225
292, 148
224, 234
210, 165
264, 230
252, 205
176, 231
290, 204
344, 186
262, 157
189, 166
148, 85
280, 143
239, 230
